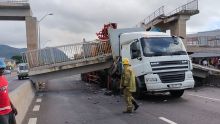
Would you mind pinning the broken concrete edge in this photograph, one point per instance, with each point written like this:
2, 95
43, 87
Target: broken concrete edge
22, 98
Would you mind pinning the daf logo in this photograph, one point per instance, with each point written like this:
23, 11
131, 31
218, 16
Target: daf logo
154, 63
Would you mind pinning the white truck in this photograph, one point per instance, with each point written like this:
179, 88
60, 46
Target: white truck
22, 71
159, 60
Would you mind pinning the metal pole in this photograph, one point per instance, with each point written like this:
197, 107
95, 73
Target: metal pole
39, 27
39, 35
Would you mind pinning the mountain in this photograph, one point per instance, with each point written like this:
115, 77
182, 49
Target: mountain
7, 51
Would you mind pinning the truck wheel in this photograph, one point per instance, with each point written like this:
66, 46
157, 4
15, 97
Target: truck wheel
37, 86
139, 94
19, 78
176, 93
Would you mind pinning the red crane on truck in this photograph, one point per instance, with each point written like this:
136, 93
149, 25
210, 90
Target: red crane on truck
99, 76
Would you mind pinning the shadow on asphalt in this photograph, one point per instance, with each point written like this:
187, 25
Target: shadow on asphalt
162, 99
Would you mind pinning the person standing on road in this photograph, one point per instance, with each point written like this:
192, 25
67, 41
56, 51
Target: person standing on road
7, 110
128, 85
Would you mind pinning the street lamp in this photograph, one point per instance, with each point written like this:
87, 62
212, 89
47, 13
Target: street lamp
39, 28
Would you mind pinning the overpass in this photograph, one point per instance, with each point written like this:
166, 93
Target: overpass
175, 21
20, 10
67, 60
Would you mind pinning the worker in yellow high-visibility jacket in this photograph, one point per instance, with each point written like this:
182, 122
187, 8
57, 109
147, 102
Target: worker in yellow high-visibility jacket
128, 85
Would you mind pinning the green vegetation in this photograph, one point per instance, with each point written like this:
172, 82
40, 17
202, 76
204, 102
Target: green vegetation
17, 58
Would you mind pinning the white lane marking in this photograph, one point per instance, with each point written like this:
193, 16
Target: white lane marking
32, 121
36, 108
167, 120
39, 100
204, 97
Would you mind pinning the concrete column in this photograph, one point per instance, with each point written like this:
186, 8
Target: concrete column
31, 32
178, 27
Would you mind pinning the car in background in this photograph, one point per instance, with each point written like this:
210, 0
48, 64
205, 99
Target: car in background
7, 72
22, 70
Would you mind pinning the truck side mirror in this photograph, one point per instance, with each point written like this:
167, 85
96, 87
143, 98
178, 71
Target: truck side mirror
139, 58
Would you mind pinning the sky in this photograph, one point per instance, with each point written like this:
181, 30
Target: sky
73, 20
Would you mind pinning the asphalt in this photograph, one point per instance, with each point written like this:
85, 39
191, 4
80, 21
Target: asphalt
71, 101
14, 82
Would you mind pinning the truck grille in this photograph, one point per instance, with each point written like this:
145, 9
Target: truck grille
172, 77
170, 65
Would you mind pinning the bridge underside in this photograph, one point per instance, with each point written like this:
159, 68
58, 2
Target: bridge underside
65, 69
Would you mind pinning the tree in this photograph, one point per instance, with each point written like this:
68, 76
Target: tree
17, 58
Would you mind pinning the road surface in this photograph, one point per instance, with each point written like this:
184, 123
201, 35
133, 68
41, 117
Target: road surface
70, 101
14, 82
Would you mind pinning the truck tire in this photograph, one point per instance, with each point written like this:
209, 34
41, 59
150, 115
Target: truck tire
176, 93
37, 86
139, 94
19, 78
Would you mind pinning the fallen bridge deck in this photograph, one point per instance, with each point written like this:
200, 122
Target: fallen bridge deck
49, 63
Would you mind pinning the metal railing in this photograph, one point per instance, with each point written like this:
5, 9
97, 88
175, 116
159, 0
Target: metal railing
155, 14
69, 53
13, 2
193, 5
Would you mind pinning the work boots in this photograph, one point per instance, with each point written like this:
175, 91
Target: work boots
135, 105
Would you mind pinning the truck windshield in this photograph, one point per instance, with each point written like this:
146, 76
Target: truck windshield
162, 46
23, 68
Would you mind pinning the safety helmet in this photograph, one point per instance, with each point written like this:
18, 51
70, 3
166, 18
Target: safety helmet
125, 61
2, 63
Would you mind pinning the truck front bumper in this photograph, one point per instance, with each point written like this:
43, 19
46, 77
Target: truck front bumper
170, 86
154, 84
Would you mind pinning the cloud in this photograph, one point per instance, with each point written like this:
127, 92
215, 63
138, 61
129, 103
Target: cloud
13, 33
74, 20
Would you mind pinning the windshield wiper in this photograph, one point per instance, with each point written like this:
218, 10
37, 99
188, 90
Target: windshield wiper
179, 53
159, 54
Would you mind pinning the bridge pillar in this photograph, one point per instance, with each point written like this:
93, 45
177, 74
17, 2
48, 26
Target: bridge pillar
31, 32
178, 27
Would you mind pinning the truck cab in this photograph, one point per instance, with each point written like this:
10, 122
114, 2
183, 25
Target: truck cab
159, 60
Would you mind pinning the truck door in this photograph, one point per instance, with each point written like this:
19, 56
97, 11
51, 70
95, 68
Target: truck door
136, 58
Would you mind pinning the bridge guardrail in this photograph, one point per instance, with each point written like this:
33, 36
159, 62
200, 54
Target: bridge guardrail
67, 53
155, 14
193, 5
14, 1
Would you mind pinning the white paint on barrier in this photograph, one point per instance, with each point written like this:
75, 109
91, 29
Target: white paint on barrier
32, 121
204, 97
167, 120
36, 108
39, 100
